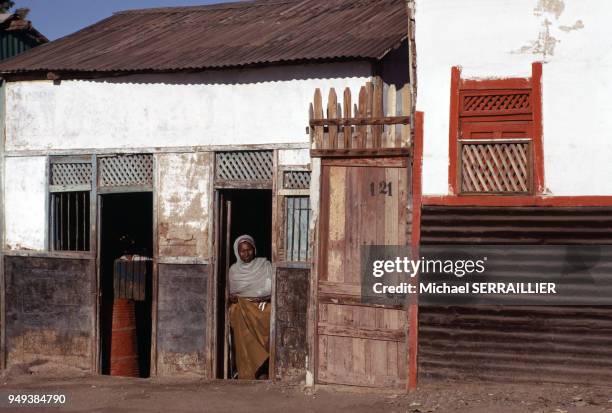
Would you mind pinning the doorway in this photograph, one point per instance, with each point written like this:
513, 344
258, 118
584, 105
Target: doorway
126, 250
241, 211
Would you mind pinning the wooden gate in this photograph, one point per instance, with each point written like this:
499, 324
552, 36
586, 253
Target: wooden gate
363, 203
365, 184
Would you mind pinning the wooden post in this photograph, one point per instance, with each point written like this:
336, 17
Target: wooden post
377, 111
369, 94
538, 149
453, 131
406, 108
347, 114
391, 142
318, 114
361, 135
332, 113
413, 308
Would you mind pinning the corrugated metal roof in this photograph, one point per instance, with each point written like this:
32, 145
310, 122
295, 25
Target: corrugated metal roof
224, 35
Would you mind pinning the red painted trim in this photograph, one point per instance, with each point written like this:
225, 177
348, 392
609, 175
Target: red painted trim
453, 130
509, 201
415, 239
509, 83
538, 145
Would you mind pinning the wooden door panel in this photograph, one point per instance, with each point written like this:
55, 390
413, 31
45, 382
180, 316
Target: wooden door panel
366, 207
364, 346
360, 345
495, 130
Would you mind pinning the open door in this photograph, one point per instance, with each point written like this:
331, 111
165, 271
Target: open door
241, 211
126, 249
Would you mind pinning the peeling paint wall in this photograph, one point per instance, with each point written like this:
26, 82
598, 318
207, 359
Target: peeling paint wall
287, 157
224, 107
182, 328
184, 196
25, 208
501, 38
49, 312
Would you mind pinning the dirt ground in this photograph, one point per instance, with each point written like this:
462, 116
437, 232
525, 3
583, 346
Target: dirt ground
114, 394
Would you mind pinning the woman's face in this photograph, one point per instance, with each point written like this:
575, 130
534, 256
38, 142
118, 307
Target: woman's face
246, 252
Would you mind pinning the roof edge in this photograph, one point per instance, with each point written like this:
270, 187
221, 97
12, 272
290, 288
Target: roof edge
66, 74
207, 7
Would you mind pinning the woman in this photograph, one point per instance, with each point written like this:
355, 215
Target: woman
250, 284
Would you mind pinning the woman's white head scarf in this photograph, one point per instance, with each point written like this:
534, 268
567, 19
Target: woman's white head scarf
252, 279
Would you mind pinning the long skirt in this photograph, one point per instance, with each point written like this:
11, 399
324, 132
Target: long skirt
251, 328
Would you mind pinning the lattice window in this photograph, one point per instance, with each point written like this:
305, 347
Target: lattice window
495, 167
297, 216
502, 102
70, 174
126, 170
244, 166
296, 180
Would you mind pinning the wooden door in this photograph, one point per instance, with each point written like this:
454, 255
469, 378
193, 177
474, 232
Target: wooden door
363, 202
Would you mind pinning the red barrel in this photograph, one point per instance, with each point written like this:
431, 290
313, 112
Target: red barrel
124, 348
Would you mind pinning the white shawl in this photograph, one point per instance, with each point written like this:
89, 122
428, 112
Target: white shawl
253, 279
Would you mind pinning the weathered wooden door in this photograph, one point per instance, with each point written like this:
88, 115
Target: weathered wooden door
363, 201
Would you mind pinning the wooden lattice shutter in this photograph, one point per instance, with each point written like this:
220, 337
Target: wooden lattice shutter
244, 168
493, 150
296, 179
70, 174
126, 171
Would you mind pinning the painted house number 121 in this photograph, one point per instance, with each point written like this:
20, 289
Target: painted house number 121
384, 188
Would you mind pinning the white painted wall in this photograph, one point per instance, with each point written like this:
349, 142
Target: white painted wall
288, 157
249, 106
25, 207
501, 38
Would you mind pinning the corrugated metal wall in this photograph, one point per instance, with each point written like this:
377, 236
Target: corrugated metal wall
509, 343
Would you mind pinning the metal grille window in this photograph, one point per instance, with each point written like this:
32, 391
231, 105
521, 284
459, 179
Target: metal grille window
70, 180
297, 216
70, 221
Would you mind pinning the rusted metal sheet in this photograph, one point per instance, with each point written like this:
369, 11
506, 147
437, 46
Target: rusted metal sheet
224, 35
182, 329
183, 221
510, 343
291, 308
49, 312
516, 225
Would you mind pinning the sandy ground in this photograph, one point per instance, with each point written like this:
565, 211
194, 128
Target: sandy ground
114, 394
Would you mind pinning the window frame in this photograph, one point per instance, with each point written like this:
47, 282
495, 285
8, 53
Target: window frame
53, 188
533, 117
283, 194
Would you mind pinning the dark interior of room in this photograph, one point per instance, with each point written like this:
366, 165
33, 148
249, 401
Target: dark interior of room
126, 229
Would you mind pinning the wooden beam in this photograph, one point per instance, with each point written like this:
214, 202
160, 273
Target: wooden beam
509, 201
382, 334
366, 152
362, 121
453, 131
